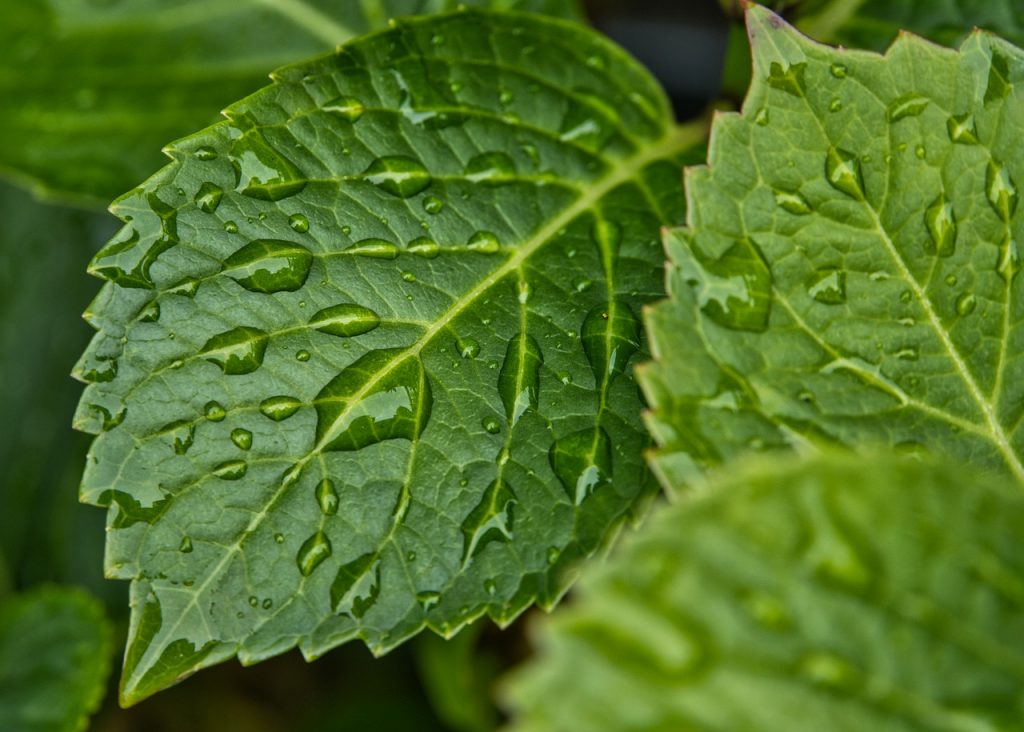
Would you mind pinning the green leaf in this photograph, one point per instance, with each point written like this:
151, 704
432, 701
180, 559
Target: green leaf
457, 675
383, 382
845, 593
55, 647
850, 270
874, 24
92, 90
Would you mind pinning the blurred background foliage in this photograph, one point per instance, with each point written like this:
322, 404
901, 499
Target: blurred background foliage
47, 537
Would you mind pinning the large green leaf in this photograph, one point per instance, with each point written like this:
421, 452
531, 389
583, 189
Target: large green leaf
55, 648
363, 361
874, 24
844, 593
42, 292
850, 270
93, 89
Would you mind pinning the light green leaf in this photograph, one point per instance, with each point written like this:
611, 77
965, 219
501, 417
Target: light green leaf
92, 90
874, 24
845, 593
55, 646
850, 270
363, 363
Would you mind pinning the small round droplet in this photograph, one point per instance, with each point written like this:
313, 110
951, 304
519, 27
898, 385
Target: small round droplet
302, 355
762, 117
835, 105
299, 223
214, 412
231, 227
408, 276
839, 71
491, 425
468, 348
279, 538
433, 205
966, 303
185, 547
242, 438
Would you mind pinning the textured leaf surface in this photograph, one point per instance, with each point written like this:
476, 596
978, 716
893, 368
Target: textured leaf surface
845, 593
92, 90
55, 649
363, 362
874, 24
850, 272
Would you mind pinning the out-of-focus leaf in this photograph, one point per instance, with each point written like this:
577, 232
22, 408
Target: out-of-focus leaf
42, 291
850, 272
457, 676
55, 648
363, 361
844, 593
92, 90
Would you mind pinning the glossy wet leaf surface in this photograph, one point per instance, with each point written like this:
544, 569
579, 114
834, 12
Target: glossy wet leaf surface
55, 652
850, 273
416, 406
93, 90
847, 593
874, 24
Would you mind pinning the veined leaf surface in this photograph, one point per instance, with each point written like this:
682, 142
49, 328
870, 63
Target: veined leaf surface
92, 90
850, 272
847, 593
363, 362
55, 649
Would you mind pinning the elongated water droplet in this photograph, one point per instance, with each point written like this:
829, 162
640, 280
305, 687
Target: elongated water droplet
398, 175
375, 249
828, 286
128, 257
762, 117
424, 247
214, 412
270, 265
794, 203
491, 167
583, 462
185, 547
208, 197
102, 371
519, 377
908, 105
491, 519
484, 242
313, 552
237, 351
150, 313
836, 105
962, 130
205, 153
347, 108
966, 303
231, 470
1001, 190
385, 395
263, 172
356, 586
789, 79
610, 336
842, 170
345, 320
428, 599
182, 434
279, 408
327, 497
734, 289
242, 438
1009, 260
839, 71
941, 224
